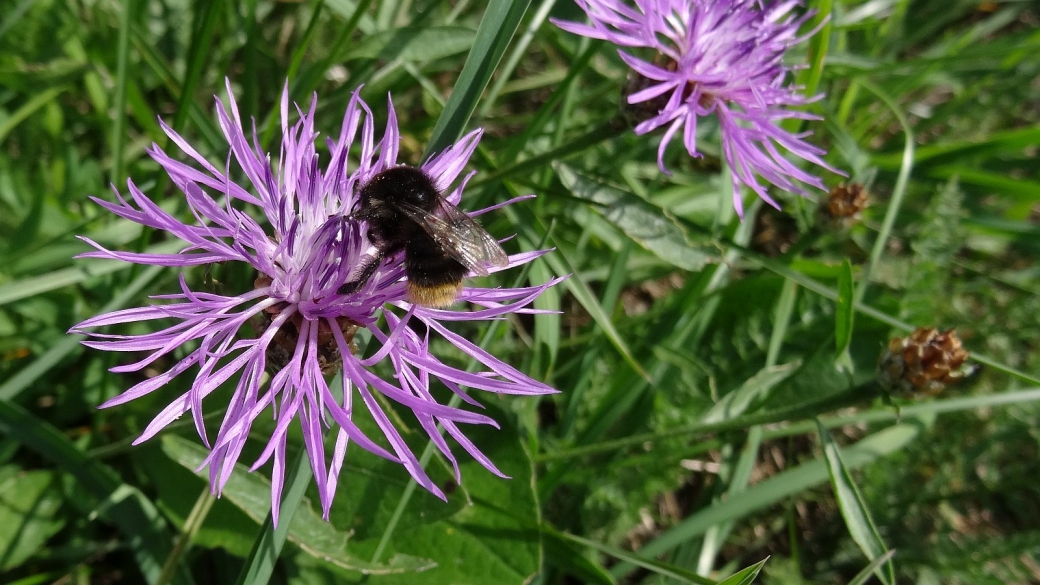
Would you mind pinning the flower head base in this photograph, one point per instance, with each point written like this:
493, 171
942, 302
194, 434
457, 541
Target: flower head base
305, 326
721, 57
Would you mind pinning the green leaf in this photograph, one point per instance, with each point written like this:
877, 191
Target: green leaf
267, 548
493, 538
853, 508
650, 226
28, 503
745, 576
756, 387
252, 494
414, 43
142, 526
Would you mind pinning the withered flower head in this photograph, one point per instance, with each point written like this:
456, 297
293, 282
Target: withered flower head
844, 205
923, 363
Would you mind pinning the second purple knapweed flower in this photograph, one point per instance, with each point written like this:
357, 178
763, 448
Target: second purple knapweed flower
721, 58
292, 221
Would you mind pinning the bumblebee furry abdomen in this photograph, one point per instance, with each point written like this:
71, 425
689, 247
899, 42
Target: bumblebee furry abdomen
434, 278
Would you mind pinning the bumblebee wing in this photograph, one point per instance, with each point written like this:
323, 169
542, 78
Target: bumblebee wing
460, 236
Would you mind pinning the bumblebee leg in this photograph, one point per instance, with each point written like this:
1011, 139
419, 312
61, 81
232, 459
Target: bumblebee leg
368, 268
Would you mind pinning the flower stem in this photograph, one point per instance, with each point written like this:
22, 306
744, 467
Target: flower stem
268, 545
191, 527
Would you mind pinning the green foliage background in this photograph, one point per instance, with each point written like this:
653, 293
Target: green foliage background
693, 351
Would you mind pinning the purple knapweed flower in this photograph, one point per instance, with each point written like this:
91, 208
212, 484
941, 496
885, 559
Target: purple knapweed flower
305, 329
721, 57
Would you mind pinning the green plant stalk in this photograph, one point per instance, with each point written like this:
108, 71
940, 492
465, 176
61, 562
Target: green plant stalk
268, 546
192, 524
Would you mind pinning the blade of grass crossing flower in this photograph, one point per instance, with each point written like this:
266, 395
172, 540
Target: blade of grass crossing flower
853, 508
864, 575
898, 191
617, 276
144, 47
519, 51
191, 527
496, 28
198, 56
525, 222
250, 493
268, 546
305, 42
43, 364
774, 490
745, 576
584, 295
143, 528
119, 102
546, 325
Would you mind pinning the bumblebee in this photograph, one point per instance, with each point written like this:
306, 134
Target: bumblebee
441, 244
